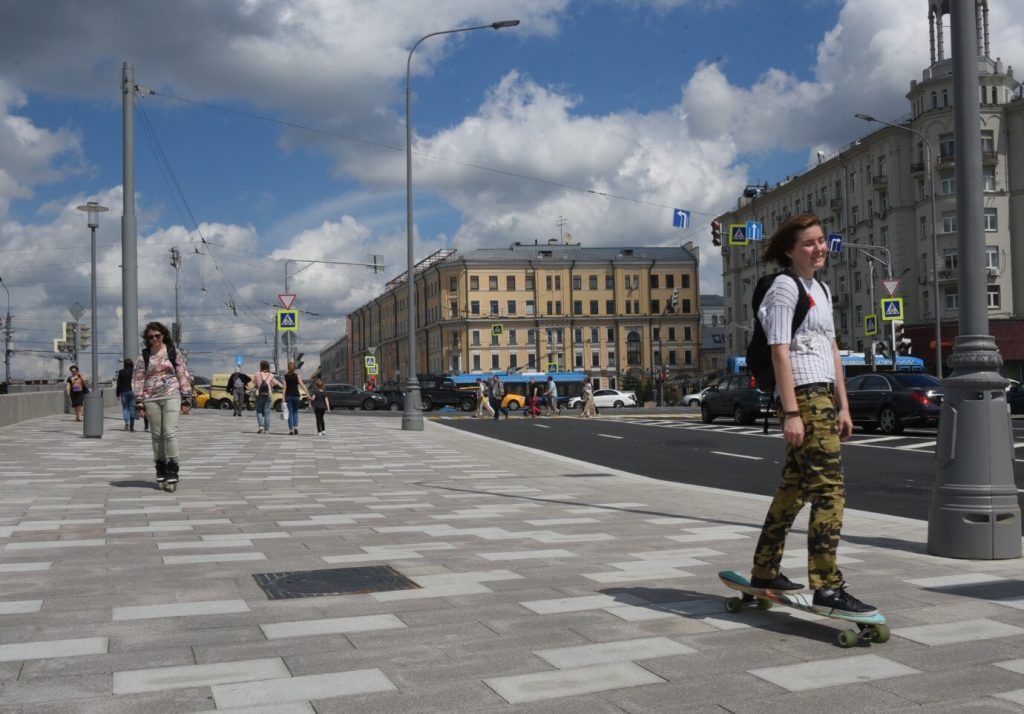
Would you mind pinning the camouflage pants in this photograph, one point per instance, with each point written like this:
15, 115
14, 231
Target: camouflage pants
813, 474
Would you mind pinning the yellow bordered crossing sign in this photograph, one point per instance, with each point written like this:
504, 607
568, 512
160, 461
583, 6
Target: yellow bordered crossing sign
738, 234
892, 309
287, 320
871, 324
497, 329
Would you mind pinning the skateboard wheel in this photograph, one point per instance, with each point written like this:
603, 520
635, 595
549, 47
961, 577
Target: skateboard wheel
733, 604
880, 634
847, 638
763, 604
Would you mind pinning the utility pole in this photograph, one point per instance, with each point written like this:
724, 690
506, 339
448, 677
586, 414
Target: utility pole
176, 264
974, 511
129, 227
8, 333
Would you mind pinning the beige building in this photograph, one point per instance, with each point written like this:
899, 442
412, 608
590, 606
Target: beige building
876, 193
549, 307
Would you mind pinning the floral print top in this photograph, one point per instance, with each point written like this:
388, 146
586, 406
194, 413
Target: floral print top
159, 380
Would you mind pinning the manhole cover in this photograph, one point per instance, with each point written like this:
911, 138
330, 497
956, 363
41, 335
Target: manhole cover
335, 581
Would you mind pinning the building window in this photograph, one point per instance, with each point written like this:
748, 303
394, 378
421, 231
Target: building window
476, 362
550, 307
945, 97
949, 258
988, 142
952, 299
474, 282
510, 282
513, 360
577, 282
594, 335
593, 307
855, 211
577, 307
947, 146
513, 337
494, 307
655, 306
593, 282
685, 281
633, 348
991, 256
531, 360
609, 281
686, 306
949, 221
857, 282
654, 281
988, 174
687, 334
529, 281
609, 307
549, 281
611, 334
530, 307
495, 361
922, 225
629, 307
453, 284
494, 339
947, 182
656, 334
671, 334
453, 308
994, 301
657, 358
578, 360
474, 307
611, 359
672, 358
492, 282
511, 307
577, 334
991, 220
558, 307
883, 236
670, 281
595, 358
531, 337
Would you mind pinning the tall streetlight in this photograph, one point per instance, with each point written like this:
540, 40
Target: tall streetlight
7, 338
935, 239
92, 427
412, 418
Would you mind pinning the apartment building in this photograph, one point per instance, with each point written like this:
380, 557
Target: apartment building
876, 194
609, 312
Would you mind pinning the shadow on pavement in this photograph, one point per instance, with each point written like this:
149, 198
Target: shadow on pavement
134, 484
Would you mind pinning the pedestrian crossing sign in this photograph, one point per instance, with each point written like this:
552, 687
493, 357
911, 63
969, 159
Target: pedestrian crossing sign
738, 234
287, 320
870, 325
497, 329
892, 309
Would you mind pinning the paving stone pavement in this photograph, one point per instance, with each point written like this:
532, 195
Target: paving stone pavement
545, 585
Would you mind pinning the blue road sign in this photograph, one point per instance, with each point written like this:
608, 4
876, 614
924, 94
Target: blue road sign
835, 243
892, 309
755, 230
681, 218
737, 234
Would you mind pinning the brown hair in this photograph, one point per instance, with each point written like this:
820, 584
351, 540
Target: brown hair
264, 365
162, 329
291, 368
128, 363
785, 238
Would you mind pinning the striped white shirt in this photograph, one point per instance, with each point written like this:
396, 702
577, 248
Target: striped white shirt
810, 348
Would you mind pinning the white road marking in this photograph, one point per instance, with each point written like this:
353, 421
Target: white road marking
610, 436
922, 445
541, 426
738, 456
875, 440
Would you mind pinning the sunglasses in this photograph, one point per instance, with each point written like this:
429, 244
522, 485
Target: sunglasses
154, 336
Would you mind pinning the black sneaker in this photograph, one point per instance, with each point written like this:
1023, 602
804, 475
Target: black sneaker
838, 600
780, 583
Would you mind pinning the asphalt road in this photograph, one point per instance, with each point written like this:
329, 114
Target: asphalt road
891, 475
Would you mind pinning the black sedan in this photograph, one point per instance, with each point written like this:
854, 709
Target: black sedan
350, 396
890, 401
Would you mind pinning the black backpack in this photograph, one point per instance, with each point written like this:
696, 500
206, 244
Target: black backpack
759, 353
172, 355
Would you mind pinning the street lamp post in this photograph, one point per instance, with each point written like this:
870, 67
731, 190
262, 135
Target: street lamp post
935, 239
92, 427
7, 338
412, 418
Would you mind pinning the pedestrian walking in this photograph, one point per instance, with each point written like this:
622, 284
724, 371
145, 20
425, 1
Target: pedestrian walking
125, 393
264, 383
814, 413
483, 399
77, 387
552, 395
533, 398
238, 384
497, 396
162, 388
293, 397
321, 404
589, 407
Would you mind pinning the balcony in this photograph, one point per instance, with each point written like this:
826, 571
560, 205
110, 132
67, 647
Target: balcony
947, 274
989, 158
947, 159
917, 167
880, 181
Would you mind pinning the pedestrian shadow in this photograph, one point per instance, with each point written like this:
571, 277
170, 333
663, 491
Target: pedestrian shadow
133, 484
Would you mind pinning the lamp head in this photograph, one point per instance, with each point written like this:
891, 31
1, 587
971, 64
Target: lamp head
865, 117
93, 210
504, 23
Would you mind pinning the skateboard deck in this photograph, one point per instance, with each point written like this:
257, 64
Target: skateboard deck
870, 628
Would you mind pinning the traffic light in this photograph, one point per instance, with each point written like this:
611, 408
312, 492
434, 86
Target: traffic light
84, 337
298, 360
716, 233
903, 343
881, 348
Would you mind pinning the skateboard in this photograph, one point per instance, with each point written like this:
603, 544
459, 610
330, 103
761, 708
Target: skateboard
870, 628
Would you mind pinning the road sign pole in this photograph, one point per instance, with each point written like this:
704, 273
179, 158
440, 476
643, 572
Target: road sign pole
974, 511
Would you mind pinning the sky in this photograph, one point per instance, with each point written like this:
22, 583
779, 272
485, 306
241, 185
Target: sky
274, 130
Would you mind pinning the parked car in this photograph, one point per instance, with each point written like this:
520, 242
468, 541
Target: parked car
1015, 397
738, 396
694, 400
395, 397
607, 398
200, 396
349, 396
890, 401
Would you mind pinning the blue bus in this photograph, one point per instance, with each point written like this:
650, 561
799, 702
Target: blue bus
853, 363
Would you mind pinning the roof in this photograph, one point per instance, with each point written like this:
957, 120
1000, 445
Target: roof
712, 301
561, 252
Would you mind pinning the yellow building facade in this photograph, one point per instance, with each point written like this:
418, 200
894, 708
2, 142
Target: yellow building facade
609, 312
